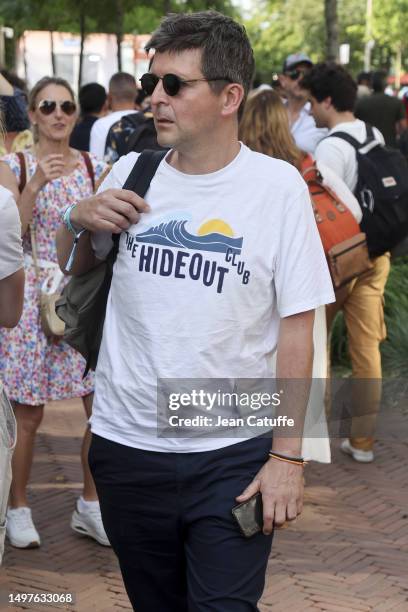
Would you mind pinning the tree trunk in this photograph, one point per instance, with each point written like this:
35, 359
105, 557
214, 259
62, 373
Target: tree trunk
166, 6
332, 30
81, 49
369, 42
53, 62
119, 31
398, 66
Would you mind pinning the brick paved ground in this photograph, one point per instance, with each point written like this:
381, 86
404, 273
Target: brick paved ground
348, 552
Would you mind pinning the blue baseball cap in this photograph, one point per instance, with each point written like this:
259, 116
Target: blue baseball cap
294, 59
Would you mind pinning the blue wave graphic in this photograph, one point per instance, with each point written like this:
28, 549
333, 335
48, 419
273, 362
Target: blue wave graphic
174, 234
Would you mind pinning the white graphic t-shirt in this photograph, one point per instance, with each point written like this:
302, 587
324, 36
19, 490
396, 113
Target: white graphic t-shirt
199, 286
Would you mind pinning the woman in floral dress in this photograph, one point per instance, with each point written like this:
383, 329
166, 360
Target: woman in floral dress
36, 369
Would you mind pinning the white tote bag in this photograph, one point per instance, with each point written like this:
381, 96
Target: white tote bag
8, 430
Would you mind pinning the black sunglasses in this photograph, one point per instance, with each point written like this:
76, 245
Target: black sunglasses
47, 107
295, 74
171, 82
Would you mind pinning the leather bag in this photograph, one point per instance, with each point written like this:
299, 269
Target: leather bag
344, 244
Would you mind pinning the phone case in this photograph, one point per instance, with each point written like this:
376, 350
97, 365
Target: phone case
249, 515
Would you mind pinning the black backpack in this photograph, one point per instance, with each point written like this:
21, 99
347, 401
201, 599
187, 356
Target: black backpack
381, 191
133, 132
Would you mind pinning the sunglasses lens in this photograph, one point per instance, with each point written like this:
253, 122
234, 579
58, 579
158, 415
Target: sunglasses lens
46, 107
149, 82
171, 84
68, 107
294, 75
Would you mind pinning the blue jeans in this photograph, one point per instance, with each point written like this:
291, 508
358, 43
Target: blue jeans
168, 518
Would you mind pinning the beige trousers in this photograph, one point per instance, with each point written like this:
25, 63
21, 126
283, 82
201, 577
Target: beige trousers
362, 303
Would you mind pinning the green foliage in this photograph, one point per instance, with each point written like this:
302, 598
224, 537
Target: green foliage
394, 349
280, 27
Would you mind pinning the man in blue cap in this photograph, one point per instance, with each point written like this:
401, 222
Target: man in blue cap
302, 124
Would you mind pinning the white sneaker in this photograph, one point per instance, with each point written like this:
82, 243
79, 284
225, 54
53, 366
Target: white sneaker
357, 454
89, 523
20, 528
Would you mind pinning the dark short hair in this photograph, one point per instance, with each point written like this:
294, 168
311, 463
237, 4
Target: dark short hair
122, 87
379, 81
226, 50
328, 79
364, 77
91, 97
42, 84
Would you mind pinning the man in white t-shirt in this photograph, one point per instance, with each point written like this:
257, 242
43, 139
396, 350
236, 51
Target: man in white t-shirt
221, 265
332, 94
302, 124
121, 99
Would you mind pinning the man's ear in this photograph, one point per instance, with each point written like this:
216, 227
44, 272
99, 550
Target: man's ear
232, 96
327, 102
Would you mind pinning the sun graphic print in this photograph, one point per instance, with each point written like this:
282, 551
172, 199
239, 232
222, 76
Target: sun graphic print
216, 226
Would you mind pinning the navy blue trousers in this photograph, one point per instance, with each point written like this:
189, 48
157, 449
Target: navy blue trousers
168, 518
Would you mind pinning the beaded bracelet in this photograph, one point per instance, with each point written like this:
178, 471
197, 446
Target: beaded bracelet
295, 460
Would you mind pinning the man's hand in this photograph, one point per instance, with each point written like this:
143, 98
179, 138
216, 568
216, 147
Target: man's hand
113, 210
281, 485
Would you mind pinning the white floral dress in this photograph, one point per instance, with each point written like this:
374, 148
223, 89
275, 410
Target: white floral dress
34, 369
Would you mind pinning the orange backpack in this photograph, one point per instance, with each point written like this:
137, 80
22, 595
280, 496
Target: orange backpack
344, 244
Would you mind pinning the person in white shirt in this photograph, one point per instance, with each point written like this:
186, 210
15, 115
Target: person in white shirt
11, 307
219, 266
121, 98
332, 93
302, 124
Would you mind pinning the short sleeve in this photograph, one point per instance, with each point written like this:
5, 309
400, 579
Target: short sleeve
11, 250
302, 279
99, 166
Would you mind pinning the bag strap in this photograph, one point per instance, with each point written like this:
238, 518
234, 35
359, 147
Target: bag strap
35, 255
143, 171
89, 167
139, 181
370, 137
348, 138
23, 170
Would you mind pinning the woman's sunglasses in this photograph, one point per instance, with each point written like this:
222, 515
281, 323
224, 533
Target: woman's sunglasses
171, 83
47, 107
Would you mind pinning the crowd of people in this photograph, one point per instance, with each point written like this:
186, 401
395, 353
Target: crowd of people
231, 171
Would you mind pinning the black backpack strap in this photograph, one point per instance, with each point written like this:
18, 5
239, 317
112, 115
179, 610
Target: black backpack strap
370, 133
143, 171
353, 141
347, 137
139, 181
